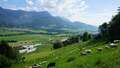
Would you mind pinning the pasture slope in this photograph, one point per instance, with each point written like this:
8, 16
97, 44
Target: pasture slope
70, 56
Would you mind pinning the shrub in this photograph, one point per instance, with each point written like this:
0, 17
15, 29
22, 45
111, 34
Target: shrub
52, 64
8, 51
57, 44
8, 54
70, 59
86, 36
5, 62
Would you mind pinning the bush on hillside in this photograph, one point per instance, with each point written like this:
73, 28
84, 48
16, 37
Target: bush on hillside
8, 54
57, 44
71, 59
86, 36
7, 51
4, 62
71, 40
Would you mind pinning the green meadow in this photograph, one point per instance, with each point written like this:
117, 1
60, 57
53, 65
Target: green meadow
69, 56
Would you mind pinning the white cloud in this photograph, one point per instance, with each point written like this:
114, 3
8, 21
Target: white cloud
74, 10
5, 0
71, 9
29, 2
98, 18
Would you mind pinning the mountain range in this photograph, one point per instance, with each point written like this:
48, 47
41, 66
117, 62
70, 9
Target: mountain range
39, 20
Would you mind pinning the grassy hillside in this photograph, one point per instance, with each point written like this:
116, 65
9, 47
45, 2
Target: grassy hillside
70, 56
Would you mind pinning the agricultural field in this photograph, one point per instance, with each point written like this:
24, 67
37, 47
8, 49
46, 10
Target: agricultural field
20, 35
9, 32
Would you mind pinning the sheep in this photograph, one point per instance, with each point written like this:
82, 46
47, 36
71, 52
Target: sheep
107, 47
116, 41
88, 51
83, 53
36, 66
99, 49
112, 45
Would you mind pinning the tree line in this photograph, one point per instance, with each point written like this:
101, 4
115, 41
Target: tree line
108, 31
111, 31
71, 40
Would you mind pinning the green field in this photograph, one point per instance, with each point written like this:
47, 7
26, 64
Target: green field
21, 35
69, 56
107, 58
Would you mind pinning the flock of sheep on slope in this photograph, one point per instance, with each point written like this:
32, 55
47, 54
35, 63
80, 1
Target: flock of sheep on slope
111, 45
83, 52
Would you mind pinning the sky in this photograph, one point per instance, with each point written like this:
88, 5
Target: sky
94, 12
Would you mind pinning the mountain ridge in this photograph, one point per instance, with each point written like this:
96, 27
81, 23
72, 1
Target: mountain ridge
38, 20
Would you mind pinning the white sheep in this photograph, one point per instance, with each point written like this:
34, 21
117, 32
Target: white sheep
36, 66
83, 53
99, 49
116, 41
107, 47
88, 51
113, 45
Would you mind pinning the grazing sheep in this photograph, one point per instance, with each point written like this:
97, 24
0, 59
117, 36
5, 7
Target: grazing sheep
112, 45
116, 41
107, 47
88, 51
35, 66
99, 49
51, 65
83, 53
